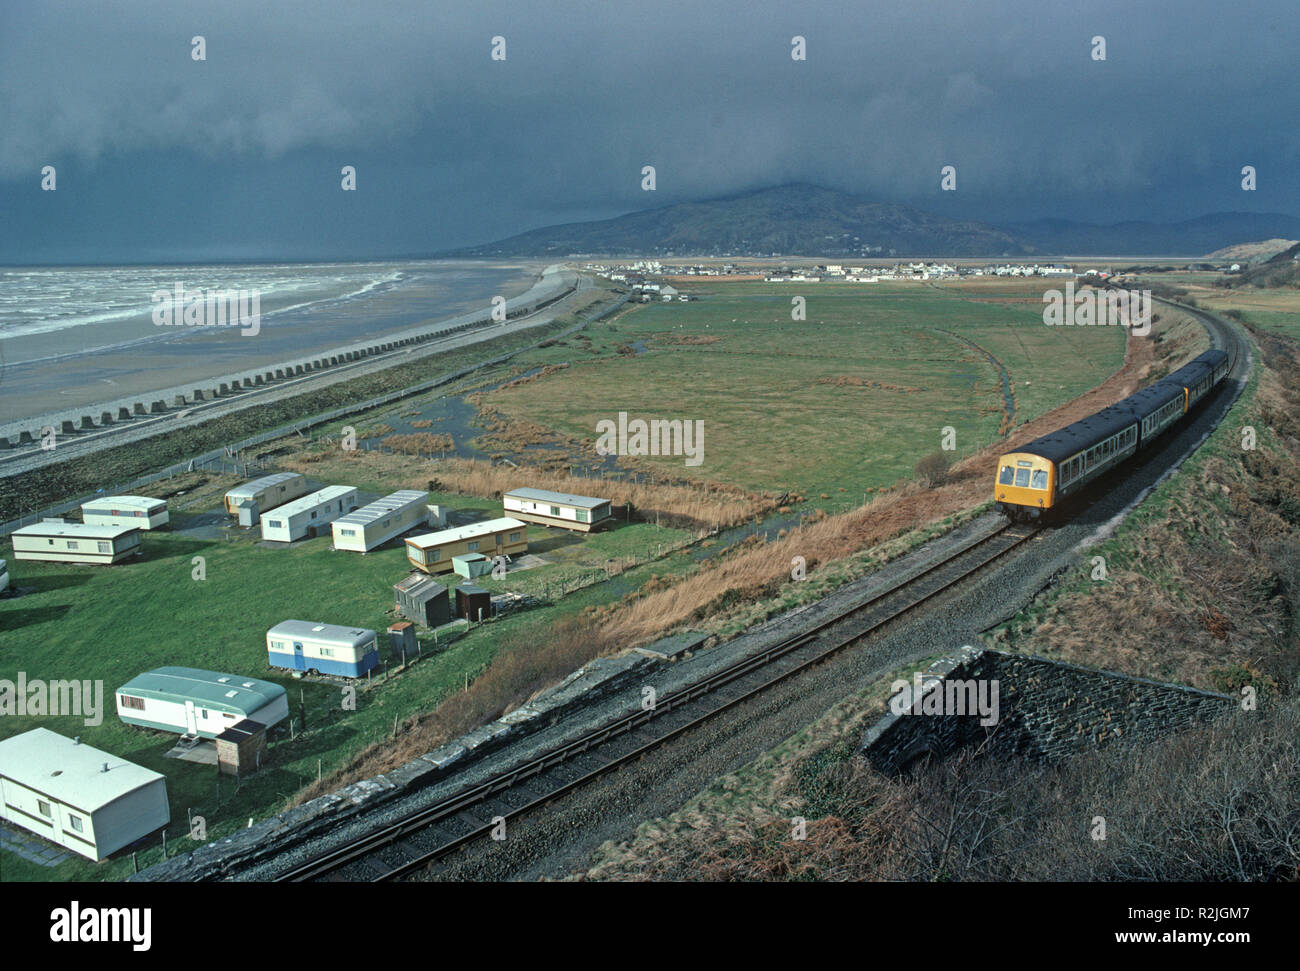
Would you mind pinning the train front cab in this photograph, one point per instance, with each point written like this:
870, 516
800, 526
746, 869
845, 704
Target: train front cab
1026, 485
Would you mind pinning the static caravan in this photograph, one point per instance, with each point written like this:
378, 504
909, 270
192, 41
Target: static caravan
138, 511
260, 495
433, 552
64, 542
4, 576
190, 701
375, 524
307, 516
78, 797
300, 645
583, 513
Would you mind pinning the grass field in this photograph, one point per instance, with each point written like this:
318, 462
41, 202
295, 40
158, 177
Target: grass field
846, 400
837, 405
110, 623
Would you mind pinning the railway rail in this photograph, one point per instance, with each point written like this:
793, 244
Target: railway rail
422, 837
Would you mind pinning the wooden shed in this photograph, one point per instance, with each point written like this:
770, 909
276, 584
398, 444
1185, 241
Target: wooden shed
423, 600
473, 602
241, 748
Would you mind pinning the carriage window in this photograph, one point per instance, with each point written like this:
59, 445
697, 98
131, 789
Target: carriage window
1006, 475
1039, 480
1022, 477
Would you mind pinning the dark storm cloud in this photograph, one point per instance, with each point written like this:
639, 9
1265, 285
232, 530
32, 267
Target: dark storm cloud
240, 155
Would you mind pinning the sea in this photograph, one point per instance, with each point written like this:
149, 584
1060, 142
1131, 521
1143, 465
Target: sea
71, 336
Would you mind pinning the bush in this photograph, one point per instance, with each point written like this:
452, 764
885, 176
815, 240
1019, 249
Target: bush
932, 470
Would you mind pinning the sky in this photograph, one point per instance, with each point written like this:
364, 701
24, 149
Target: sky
161, 157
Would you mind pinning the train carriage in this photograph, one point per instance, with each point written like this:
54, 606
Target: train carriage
1054, 466
301, 645
1038, 477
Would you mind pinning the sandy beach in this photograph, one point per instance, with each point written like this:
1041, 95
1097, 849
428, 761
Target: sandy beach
86, 366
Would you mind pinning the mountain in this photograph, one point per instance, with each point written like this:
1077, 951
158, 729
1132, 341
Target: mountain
1259, 251
1191, 237
797, 219
1282, 270
808, 220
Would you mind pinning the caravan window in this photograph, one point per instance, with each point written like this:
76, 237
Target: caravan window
129, 701
514, 537
106, 547
471, 546
43, 807
76, 822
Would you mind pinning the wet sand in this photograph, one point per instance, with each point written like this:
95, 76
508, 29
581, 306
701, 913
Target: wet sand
70, 377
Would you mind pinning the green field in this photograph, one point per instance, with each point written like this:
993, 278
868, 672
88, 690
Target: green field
108, 624
771, 423
847, 399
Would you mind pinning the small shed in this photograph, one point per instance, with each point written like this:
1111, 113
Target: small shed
423, 600
240, 747
471, 565
402, 640
473, 602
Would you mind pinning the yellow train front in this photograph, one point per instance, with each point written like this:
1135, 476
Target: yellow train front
1026, 485
1042, 475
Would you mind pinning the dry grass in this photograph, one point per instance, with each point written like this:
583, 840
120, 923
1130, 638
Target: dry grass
420, 443
705, 506
750, 571
1216, 803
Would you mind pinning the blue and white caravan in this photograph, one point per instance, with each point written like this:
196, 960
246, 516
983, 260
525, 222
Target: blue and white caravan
300, 645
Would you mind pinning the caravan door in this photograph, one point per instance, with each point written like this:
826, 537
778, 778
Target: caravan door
191, 724
298, 663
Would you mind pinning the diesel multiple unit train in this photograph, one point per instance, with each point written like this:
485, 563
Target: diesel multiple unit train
1042, 475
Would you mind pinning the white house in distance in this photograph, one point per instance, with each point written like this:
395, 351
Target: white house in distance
375, 524
138, 511
583, 513
308, 515
76, 796
63, 542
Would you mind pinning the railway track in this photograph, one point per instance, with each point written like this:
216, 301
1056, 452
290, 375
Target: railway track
421, 837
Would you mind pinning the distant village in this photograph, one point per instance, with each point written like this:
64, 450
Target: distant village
638, 275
